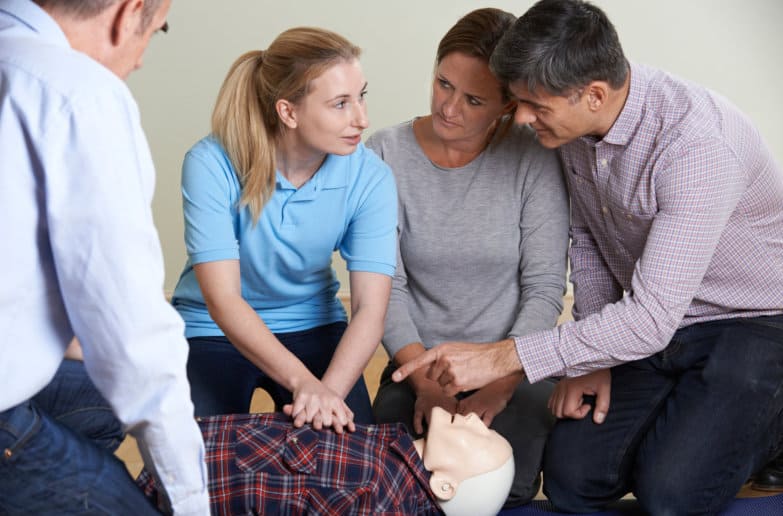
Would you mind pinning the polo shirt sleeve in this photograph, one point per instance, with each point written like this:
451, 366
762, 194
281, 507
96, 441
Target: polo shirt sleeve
210, 196
370, 242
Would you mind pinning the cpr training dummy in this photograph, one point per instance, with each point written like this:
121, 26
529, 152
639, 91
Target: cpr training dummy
262, 464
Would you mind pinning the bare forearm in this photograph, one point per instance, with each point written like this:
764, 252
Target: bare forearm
353, 353
248, 333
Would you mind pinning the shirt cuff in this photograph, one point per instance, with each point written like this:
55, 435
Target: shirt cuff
538, 353
195, 504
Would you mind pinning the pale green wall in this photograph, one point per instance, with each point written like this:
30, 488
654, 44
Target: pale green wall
732, 46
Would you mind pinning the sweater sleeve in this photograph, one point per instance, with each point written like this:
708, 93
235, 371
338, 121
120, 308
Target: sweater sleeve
543, 244
399, 328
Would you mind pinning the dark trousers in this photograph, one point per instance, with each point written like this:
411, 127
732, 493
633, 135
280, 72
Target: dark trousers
686, 427
222, 381
57, 453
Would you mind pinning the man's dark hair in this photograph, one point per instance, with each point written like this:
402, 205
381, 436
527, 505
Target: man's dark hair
85, 9
560, 46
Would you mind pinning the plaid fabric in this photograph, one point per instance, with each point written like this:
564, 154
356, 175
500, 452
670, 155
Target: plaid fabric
261, 464
677, 218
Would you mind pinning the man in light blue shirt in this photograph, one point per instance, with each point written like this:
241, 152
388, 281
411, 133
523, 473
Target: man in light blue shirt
81, 257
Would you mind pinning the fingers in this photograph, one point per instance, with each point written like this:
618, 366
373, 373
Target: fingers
428, 357
320, 410
418, 420
487, 418
603, 397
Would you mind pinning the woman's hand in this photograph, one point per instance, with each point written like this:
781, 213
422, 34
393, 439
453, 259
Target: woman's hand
316, 404
426, 398
492, 399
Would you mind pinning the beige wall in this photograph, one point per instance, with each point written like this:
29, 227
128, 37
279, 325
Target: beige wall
732, 46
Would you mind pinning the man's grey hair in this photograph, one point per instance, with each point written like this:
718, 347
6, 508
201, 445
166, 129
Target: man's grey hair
560, 46
85, 9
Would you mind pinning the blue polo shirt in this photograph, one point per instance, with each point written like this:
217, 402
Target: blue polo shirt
285, 259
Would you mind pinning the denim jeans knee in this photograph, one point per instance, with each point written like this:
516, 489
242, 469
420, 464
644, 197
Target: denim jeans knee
46, 468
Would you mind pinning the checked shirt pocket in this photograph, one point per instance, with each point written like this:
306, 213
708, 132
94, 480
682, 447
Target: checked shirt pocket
277, 452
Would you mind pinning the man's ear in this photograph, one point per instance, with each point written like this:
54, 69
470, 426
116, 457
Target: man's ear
442, 487
286, 112
596, 95
126, 21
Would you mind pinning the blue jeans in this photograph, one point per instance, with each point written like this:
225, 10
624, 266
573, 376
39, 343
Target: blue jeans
222, 380
686, 427
57, 453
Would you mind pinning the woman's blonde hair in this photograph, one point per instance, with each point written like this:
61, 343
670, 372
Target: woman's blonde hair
245, 119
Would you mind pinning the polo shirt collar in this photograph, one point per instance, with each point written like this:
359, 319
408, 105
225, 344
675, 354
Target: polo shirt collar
332, 174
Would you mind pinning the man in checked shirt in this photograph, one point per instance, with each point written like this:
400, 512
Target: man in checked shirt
677, 266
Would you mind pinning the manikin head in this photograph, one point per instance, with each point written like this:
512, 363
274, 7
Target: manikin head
472, 466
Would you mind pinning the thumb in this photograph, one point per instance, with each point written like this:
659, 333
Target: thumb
603, 397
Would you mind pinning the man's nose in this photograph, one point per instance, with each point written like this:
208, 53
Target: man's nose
524, 115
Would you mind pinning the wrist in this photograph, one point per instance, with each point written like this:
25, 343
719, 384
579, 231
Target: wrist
509, 358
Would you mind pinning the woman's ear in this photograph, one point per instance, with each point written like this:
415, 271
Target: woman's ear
443, 487
286, 112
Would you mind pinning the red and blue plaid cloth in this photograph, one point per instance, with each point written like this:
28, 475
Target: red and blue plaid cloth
261, 464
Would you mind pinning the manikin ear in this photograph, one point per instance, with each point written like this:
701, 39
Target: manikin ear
286, 112
126, 21
443, 487
596, 94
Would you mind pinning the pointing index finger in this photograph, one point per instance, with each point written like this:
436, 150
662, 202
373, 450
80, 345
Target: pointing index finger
405, 370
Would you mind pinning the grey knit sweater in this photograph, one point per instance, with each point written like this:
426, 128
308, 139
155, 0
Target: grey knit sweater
482, 248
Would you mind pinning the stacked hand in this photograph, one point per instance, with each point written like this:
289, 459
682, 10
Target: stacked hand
314, 403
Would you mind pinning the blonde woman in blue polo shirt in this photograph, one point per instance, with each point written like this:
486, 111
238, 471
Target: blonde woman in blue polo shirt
282, 182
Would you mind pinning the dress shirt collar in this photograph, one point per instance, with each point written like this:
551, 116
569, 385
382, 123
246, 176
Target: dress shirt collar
403, 446
36, 19
630, 117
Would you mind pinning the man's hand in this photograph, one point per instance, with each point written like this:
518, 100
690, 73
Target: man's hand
492, 399
463, 366
567, 400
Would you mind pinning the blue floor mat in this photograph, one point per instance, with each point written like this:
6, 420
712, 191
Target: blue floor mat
765, 506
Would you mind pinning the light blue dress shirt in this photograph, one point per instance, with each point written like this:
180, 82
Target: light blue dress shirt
80, 252
285, 259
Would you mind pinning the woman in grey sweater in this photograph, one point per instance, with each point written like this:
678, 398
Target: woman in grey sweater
483, 235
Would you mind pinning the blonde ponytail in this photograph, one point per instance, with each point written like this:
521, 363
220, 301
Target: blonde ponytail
238, 123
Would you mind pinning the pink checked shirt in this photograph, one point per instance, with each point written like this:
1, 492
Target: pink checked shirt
677, 218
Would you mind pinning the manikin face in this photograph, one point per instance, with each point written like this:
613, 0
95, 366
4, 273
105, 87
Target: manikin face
556, 119
332, 116
458, 448
466, 99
